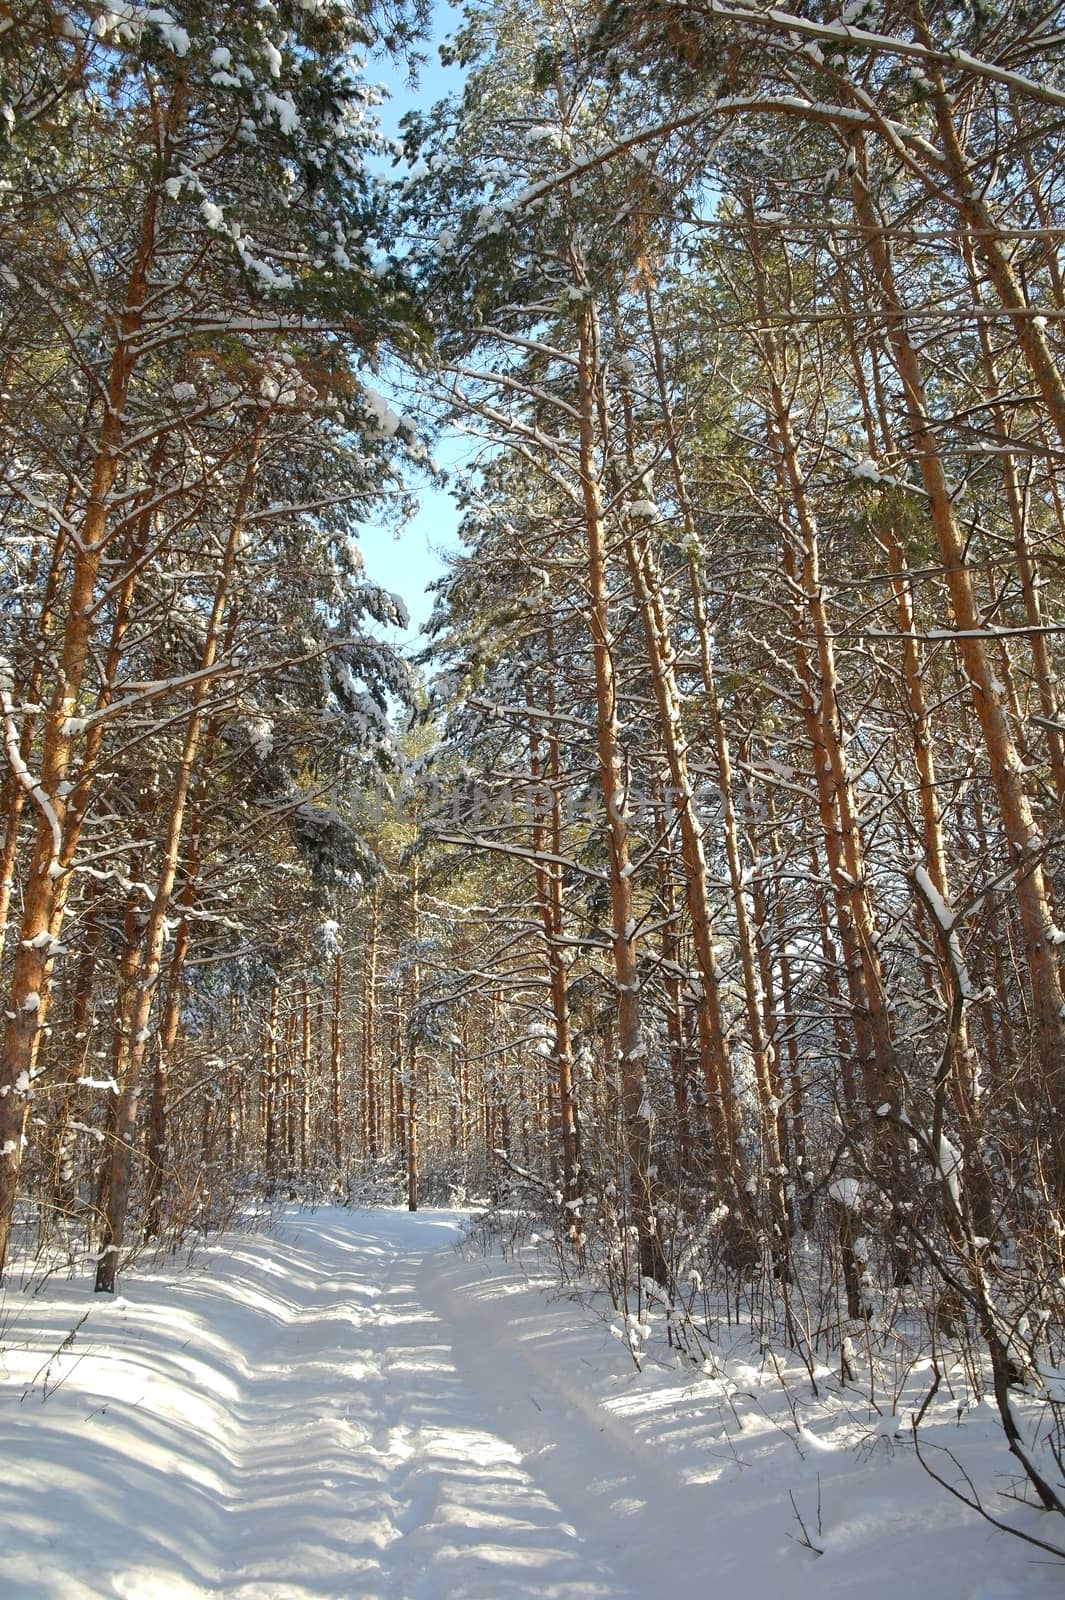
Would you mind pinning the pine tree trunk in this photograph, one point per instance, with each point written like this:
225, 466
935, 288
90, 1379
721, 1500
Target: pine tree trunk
46, 882
136, 1013
766, 1075
413, 1085
305, 1072
994, 249
271, 1134
547, 804
636, 1110
1022, 835
373, 1132
159, 1112
334, 1071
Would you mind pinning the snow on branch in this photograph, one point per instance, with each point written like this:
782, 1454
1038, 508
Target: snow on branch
23, 776
947, 920
844, 33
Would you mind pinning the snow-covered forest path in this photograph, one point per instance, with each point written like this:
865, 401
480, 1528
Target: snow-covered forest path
350, 1408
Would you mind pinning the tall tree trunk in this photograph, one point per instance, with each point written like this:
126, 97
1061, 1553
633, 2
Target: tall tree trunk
994, 247
335, 1100
271, 1131
1050, 722
413, 1085
636, 1110
547, 805
763, 1062
159, 1111
373, 1132
305, 1074
134, 1024
1023, 837
39, 928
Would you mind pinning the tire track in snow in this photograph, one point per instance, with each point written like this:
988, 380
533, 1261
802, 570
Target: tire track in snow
419, 1499
349, 1410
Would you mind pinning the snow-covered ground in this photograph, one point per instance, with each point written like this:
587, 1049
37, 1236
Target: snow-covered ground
349, 1408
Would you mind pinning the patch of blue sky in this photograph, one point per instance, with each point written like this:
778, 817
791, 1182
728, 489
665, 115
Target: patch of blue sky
409, 560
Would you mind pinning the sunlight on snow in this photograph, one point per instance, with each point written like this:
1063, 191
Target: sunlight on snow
350, 1410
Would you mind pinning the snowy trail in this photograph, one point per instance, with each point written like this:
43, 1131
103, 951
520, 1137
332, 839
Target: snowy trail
309, 1432
350, 1410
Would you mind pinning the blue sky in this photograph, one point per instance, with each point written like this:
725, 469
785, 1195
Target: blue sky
407, 563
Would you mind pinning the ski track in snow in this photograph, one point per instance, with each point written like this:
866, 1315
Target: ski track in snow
350, 1410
